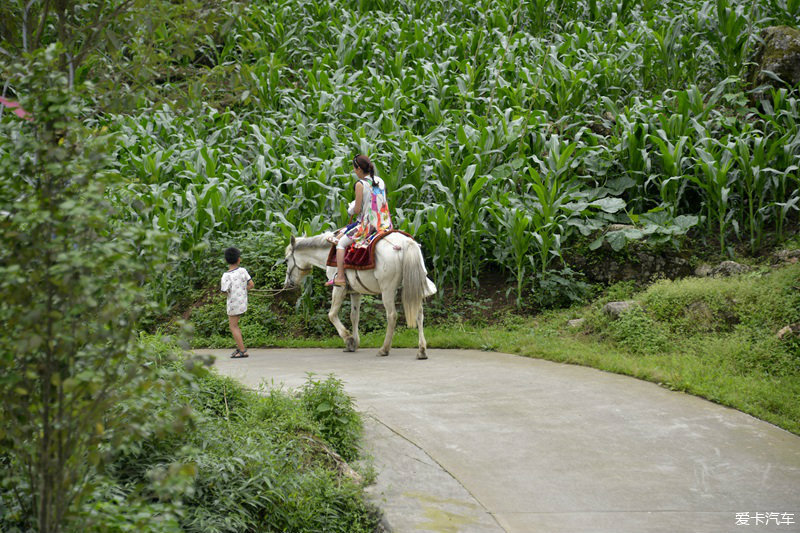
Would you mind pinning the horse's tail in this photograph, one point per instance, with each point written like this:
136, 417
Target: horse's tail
416, 285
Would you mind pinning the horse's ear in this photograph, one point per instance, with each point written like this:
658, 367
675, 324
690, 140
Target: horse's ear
292, 242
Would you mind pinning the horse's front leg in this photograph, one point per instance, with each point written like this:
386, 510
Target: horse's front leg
422, 353
391, 320
337, 299
355, 310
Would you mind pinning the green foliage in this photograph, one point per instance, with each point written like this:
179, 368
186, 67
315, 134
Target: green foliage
622, 290
638, 333
263, 468
241, 462
218, 396
150, 47
598, 114
735, 319
560, 288
71, 292
763, 301
334, 410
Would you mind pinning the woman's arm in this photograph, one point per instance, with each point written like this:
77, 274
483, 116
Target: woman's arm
359, 198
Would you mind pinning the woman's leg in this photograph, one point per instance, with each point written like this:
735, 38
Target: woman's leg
341, 247
233, 322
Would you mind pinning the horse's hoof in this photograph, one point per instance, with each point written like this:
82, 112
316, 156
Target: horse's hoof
350, 345
422, 354
382, 353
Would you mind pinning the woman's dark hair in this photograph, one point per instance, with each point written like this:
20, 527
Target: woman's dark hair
232, 255
363, 162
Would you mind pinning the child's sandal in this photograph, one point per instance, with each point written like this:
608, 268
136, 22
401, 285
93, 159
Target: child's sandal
239, 355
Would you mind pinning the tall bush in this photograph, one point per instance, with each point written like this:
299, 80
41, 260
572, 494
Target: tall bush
71, 289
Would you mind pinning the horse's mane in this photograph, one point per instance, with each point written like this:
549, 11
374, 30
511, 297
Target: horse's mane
315, 241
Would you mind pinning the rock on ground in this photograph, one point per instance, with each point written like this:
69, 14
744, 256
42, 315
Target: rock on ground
729, 268
615, 309
779, 52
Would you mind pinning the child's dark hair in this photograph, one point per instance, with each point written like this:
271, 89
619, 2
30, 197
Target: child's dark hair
232, 255
363, 162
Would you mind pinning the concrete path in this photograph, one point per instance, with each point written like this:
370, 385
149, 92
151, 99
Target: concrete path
476, 442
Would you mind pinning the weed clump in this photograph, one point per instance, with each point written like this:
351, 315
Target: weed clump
638, 333
328, 404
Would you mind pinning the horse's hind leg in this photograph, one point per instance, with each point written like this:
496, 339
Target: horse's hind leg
355, 309
333, 315
391, 321
423, 346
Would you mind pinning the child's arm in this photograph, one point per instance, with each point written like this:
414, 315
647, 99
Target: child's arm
225, 283
249, 285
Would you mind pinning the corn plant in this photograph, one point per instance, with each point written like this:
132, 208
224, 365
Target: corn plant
730, 30
755, 184
516, 227
454, 102
715, 159
672, 183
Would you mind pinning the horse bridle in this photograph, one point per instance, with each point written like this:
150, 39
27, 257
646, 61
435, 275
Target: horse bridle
294, 266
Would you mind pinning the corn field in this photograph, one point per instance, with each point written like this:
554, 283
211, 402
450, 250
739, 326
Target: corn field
504, 130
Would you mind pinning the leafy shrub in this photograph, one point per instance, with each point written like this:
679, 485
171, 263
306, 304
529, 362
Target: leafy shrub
733, 319
621, 290
283, 412
218, 396
560, 288
247, 466
328, 404
210, 319
257, 472
765, 355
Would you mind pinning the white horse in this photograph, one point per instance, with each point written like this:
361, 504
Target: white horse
398, 261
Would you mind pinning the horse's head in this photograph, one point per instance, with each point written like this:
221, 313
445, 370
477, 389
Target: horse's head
296, 267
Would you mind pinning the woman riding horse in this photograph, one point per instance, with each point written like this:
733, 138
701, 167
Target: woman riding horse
371, 210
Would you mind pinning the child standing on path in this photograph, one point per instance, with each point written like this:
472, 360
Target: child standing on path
236, 282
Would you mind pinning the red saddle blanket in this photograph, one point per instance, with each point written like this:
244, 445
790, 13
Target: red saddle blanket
361, 258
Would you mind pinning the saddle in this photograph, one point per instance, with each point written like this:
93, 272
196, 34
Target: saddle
361, 258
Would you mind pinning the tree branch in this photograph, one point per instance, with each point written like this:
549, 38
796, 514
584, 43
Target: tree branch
25, 26
98, 25
42, 22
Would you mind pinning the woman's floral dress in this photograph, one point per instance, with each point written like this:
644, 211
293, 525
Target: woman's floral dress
374, 217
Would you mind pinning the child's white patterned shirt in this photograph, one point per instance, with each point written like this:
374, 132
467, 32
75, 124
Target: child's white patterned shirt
234, 282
